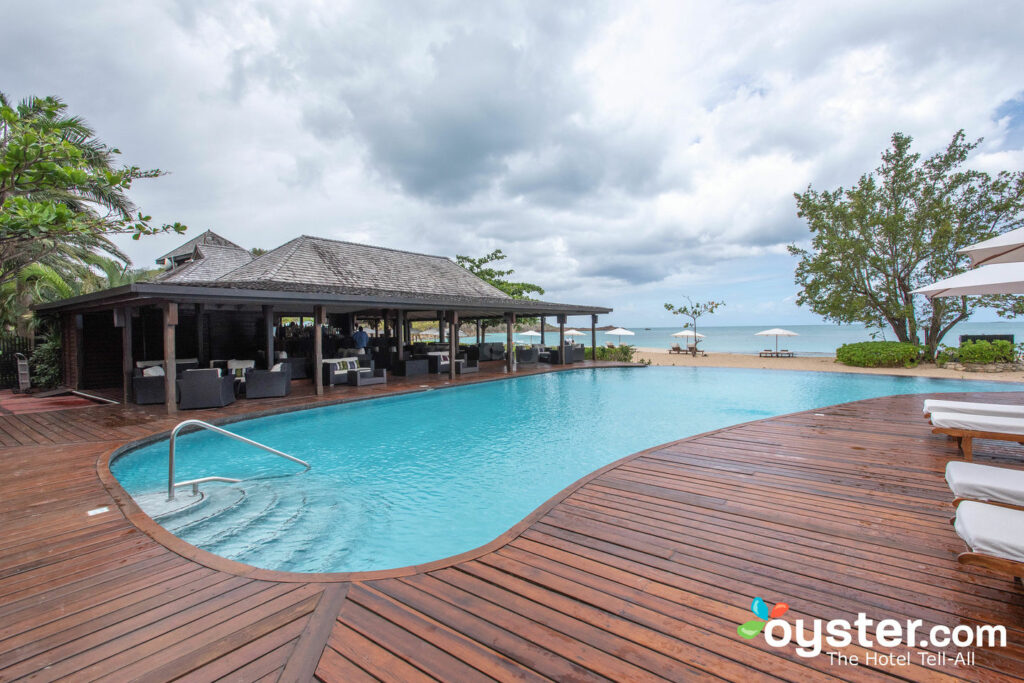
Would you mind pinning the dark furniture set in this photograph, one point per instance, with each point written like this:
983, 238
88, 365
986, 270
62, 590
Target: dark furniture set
336, 373
205, 389
574, 353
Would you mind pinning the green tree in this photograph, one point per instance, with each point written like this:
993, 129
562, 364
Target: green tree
481, 267
694, 311
499, 278
61, 193
898, 229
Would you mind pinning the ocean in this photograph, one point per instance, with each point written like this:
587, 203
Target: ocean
813, 340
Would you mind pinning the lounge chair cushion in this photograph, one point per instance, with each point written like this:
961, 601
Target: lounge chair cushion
153, 371
979, 423
278, 367
984, 482
938, 406
991, 529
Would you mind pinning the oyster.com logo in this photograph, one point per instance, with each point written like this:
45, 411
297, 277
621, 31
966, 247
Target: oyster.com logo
818, 636
759, 607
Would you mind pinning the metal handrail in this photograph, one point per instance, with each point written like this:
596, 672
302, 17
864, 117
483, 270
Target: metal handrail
206, 425
194, 483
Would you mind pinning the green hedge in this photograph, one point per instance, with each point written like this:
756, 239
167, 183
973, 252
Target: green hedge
621, 354
984, 352
879, 354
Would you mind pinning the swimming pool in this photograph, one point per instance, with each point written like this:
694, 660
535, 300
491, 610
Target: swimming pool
407, 480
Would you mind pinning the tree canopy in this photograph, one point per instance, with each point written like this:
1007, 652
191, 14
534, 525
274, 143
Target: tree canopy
62, 195
897, 229
499, 278
694, 311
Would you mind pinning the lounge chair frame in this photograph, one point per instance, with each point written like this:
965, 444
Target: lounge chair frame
996, 564
965, 438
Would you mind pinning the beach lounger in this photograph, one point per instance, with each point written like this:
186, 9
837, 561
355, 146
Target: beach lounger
965, 427
995, 536
996, 485
675, 349
932, 405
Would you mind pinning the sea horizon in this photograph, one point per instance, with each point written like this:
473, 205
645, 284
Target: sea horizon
818, 339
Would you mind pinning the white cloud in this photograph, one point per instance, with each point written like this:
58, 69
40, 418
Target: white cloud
616, 152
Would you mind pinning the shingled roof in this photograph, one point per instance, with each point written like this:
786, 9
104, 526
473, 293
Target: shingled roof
208, 262
315, 264
187, 249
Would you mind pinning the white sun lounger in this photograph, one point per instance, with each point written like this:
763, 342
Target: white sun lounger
994, 534
970, 481
965, 427
933, 405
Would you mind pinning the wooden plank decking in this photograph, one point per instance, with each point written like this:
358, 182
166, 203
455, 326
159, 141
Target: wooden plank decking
641, 573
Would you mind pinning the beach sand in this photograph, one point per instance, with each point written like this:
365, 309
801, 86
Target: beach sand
812, 363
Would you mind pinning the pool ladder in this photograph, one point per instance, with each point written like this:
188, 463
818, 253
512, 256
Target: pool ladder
194, 483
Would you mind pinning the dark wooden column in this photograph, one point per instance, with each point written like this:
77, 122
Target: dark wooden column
453, 344
319, 319
400, 333
441, 319
593, 337
201, 335
170, 316
268, 334
123, 319
542, 326
479, 332
510, 354
561, 340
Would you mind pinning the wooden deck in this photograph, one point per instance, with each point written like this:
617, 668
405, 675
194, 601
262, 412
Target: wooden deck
641, 572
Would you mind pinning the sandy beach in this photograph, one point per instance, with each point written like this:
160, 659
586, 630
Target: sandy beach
812, 363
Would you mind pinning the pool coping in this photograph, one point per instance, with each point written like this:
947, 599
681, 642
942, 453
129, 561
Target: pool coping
146, 524
134, 514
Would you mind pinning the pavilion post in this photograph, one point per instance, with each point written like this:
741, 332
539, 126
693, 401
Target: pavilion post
479, 332
268, 333
441, 319
318, 349
542, 326
400, 333
200, 334
453, 344
170, 319
593, 337
561, 340
510, 355
124, 317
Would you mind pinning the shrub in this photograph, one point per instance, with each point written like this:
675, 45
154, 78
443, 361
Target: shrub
45, 363
879, 354
998, 351
621, 354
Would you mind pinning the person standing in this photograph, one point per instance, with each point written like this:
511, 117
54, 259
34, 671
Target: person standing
360, 338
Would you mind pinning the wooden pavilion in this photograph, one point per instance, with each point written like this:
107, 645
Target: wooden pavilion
217, 300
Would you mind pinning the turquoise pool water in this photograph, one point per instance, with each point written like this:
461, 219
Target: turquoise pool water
407, 480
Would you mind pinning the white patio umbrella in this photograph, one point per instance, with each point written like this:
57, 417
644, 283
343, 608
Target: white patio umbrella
689, 333
1005, 248
776, 332
620, 333
426, 333
998, 278
530, 333
575, 333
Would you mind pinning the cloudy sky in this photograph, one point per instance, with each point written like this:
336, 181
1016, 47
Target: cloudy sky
623, 154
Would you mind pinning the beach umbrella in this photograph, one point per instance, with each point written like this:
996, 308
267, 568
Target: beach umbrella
530, 333
620, 333
1005, 248
776, 332
426, 333
689, 333
998, 278
575, 333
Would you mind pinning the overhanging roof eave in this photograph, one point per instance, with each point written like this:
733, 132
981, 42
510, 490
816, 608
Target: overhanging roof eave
140, 291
